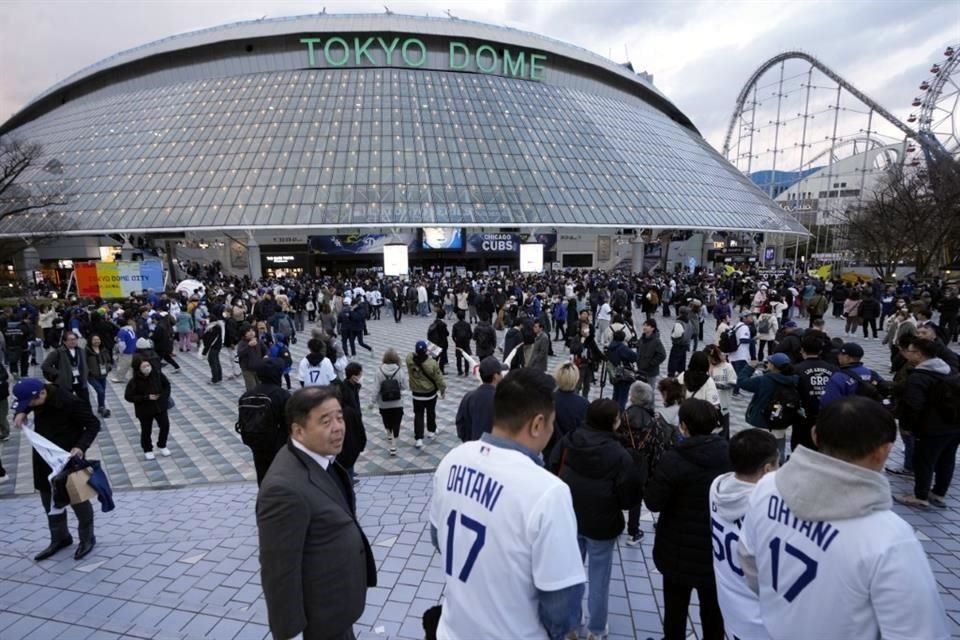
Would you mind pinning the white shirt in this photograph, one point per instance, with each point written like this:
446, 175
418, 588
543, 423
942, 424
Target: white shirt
864, 577
603, 313
529, 541
323, 461
316, 375
743, 351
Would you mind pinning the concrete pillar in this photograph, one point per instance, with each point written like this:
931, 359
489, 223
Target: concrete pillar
253, 259
26, 262
637, 246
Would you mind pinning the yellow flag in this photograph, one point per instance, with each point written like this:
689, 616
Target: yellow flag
824, 272
728, 269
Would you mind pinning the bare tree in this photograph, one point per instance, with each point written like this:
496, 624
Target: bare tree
912, 216
18, 196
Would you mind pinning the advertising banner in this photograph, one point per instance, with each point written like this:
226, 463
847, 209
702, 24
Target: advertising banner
117, 279
508, 242
357, 243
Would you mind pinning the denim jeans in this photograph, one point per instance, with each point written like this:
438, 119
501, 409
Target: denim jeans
600, 553
100, 386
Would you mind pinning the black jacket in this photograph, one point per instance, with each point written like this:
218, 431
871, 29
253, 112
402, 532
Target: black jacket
486, 339
814, 375
354, 438
462, 333
139, 389
65, 421
918, 409
650, 354
603, 480
679, 489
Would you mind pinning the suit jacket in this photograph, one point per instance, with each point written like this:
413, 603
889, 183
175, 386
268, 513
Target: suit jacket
315, 561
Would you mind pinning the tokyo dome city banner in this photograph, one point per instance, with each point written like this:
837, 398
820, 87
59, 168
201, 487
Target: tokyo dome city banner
117, 279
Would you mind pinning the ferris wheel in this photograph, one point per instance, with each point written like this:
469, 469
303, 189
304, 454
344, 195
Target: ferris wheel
939, 118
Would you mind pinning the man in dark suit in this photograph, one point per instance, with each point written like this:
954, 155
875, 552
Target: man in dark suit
315, 561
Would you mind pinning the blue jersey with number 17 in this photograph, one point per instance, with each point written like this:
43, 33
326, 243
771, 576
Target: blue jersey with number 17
506, 529
860, 577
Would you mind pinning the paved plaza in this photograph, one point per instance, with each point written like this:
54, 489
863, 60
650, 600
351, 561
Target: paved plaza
178, 556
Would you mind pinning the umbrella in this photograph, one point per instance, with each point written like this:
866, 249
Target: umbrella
190, 287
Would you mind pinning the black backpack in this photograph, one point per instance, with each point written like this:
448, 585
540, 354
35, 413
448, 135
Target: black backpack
728, 342
256, 424
390, 388
785, 407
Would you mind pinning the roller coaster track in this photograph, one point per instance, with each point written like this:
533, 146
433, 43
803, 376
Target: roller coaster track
827, 71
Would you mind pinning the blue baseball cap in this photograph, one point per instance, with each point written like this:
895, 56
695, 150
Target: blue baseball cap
779, 360
421, 346
24, 391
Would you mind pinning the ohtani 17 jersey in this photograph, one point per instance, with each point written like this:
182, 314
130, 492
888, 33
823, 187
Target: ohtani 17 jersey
862, 577
505, 529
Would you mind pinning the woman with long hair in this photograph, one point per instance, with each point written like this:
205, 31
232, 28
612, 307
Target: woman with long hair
697, 381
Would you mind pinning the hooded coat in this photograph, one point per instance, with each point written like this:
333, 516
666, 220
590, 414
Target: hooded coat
918, 411
872, 579
763, 388
679, 490
603, 479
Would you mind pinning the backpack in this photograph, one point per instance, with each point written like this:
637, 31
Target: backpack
728, 341
785, 407
872, 390
653, 298
390, 388
256, 424
764, 325
947, 394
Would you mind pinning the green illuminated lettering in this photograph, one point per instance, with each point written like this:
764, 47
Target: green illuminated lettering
536, 70
336, 40
311, 57
514, 69
485, 48
362, 50
423, 52
389, 50
464, 51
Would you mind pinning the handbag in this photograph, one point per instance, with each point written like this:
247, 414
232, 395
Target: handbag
170, 402
78, 487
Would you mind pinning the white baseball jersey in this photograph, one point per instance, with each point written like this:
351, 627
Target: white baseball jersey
743, 350
316, 375
506, 529
729, 498
863, 577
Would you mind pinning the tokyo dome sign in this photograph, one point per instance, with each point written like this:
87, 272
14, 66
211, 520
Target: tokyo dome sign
337, 51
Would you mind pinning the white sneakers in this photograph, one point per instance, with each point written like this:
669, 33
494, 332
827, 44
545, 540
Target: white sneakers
393, 445
165, 452
418, 444
430, 435
150, 455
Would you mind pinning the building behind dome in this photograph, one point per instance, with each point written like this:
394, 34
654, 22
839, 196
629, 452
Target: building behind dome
318, 138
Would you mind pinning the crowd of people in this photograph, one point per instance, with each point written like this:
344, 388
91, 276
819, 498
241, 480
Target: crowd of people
547, 477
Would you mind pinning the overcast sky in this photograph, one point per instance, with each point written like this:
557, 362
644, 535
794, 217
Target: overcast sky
700, 53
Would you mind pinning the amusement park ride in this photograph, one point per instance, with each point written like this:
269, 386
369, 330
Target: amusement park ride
796, 116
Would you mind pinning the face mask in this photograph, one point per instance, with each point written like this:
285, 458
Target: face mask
146, 369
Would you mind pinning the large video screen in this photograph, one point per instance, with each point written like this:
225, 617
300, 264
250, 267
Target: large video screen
442, 238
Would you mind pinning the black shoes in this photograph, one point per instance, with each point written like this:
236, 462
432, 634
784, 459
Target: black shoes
84, 548
53, 548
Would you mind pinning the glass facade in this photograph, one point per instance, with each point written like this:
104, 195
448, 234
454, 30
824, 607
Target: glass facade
388, 147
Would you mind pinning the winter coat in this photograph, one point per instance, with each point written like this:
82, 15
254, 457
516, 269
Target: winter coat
65, 421
650, 354
762, 387
475, 413
140, 388
425, 377
98, 364
269, 386
619, 353
603, 478
918, 409
354, 437
679, 490
58, 368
